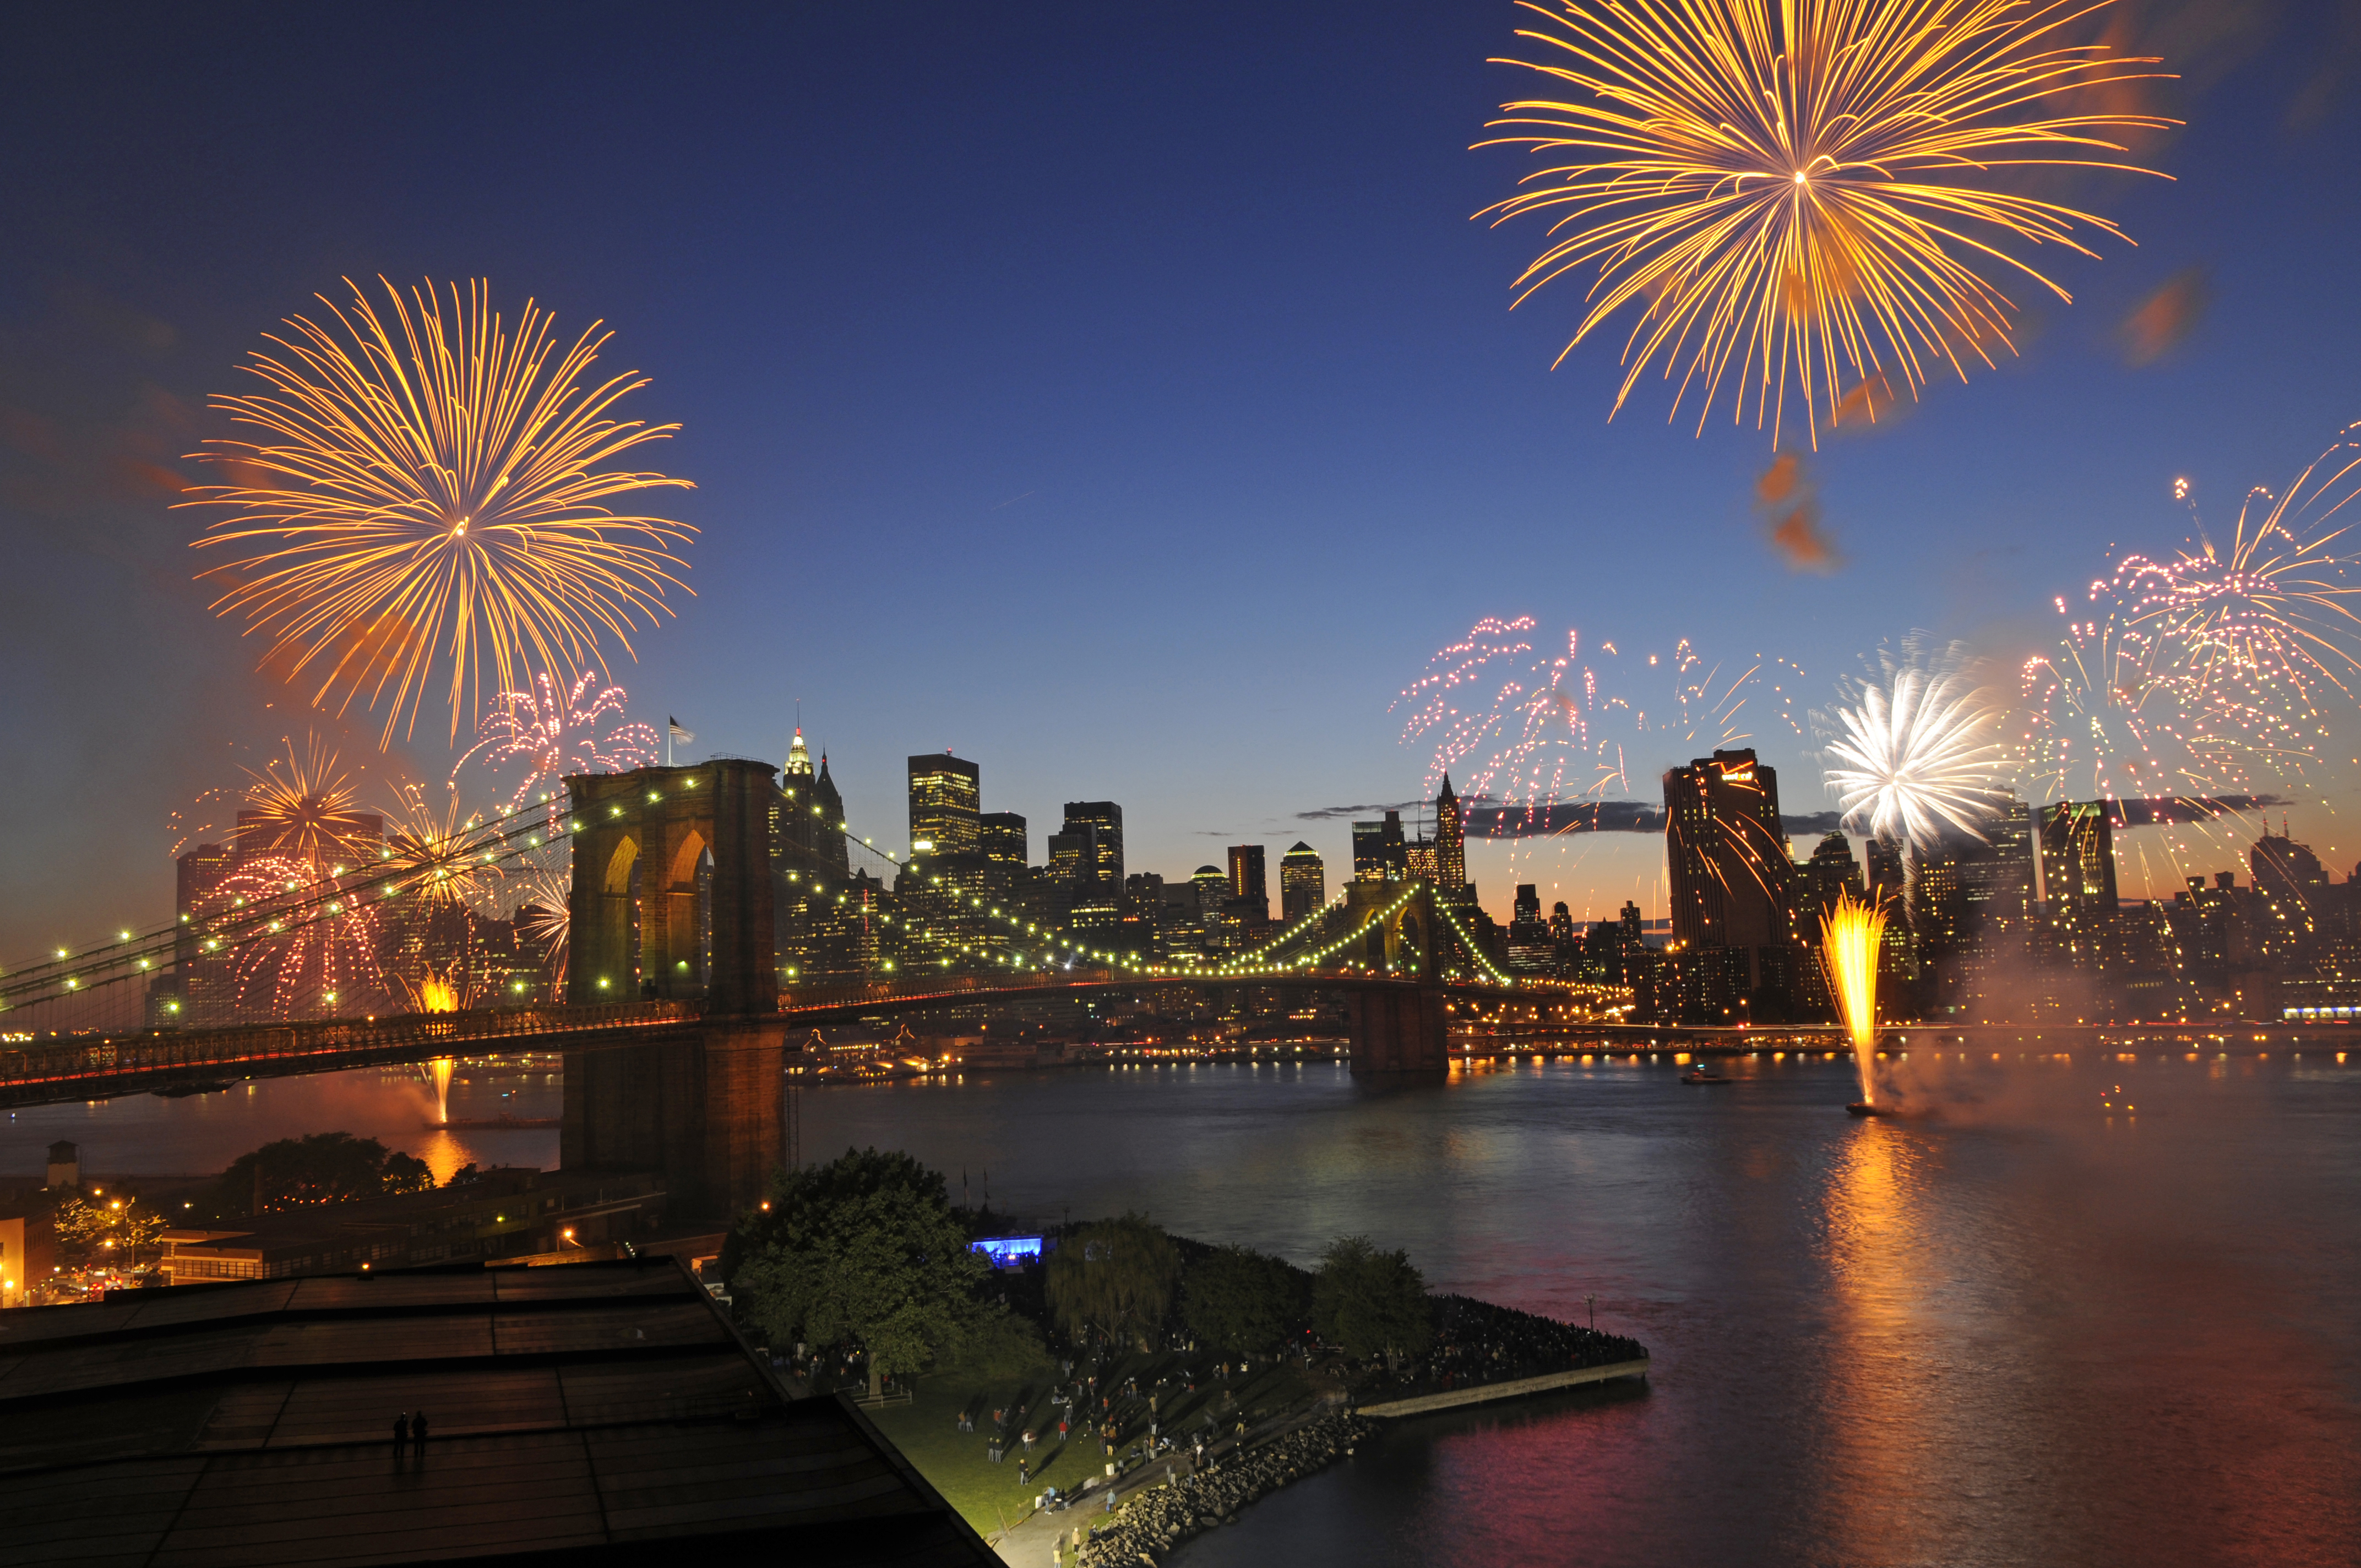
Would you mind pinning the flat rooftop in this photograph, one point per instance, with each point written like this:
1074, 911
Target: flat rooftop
582, 1412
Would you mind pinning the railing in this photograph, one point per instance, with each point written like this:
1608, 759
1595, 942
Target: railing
101, 1064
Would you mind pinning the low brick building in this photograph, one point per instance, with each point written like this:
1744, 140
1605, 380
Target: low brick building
507, 1212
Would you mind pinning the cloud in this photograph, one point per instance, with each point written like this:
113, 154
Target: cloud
2165, 318
1333, 813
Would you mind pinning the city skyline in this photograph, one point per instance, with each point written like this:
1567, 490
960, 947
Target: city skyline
1283, 535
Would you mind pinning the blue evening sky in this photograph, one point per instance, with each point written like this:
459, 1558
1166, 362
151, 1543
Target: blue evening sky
1118, 396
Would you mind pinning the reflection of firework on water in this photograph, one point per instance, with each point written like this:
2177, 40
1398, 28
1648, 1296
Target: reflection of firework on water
439, 858
1804, 195
1527, 728
1913, 751
550, 735
304, 809
431, 491
293, 946
545, 918
2254, 635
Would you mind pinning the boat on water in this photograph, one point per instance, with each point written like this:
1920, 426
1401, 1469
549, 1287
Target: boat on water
503, 1123
1703, 1075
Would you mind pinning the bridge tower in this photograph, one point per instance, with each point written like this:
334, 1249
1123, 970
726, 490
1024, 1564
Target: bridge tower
1398, 1029
693, 924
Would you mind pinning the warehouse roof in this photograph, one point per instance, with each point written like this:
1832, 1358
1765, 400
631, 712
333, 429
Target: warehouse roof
589, 1409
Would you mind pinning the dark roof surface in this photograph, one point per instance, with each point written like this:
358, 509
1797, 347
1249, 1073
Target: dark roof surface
587, 1409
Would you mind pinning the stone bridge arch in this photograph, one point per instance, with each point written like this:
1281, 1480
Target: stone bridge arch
705, 1109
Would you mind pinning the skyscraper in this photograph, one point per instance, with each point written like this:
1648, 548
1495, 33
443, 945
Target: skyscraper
1212, 889
809, 815
2078, 879
1002, 836
945, 795
1732, 881
1246, 881
1302, 881
1087, 849
1450, 842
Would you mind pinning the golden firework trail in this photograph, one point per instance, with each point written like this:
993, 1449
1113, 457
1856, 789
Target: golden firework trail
428, 495
441, 858
1799, 194
302, 807
1850, 933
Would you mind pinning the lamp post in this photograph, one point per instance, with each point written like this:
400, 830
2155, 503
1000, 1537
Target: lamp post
1591, 1301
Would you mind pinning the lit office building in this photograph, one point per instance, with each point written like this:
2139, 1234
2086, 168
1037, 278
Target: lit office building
1302, 881
1246, 881
1732, 881
945, 793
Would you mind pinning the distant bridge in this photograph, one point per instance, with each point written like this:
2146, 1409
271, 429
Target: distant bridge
675, 876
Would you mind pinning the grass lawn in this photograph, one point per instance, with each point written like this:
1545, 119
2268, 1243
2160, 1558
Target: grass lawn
990, 1495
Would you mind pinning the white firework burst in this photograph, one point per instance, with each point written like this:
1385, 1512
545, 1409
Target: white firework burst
1916, 753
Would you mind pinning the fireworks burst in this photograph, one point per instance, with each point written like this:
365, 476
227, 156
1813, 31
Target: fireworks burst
1801, 192
1528, 728
440, 859
550, 735
544, 919
302, 807
1915, 751
2269, 623
430, 490
293, 949
1850, 934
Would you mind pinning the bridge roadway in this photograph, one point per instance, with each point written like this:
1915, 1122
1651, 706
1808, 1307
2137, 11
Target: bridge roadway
63, 1071
60, 1072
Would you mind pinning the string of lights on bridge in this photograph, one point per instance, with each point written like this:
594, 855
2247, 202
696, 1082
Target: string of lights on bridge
518, 832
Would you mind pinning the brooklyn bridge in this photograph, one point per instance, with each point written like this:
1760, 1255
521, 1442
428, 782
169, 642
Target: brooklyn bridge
676, 1019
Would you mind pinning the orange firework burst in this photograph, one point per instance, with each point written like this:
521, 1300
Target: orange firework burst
301, 809
432, 489
1785, 185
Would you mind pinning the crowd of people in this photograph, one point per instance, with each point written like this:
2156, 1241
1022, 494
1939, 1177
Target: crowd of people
1476, 1342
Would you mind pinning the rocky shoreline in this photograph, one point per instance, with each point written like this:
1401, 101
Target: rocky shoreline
1158, 1519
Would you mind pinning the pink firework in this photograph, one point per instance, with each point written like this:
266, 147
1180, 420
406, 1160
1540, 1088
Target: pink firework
550, 735
1522, 728
293, 944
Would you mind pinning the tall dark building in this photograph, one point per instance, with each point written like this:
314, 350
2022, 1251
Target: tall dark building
1732, 881
1996, 877
2294, 890
2078, 879
1088, 849
1246, 881
1302, 881
1001, 836
1450, 841
944, 796
1380, 851
1829, 874
810, 814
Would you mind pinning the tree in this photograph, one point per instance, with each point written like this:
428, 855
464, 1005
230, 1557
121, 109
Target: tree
119, 1227
864, 1249
1115, 1276
326, 1167
1242, 1301
1368, 1302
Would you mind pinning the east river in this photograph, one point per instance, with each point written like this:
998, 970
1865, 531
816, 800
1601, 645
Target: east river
2042, 1329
